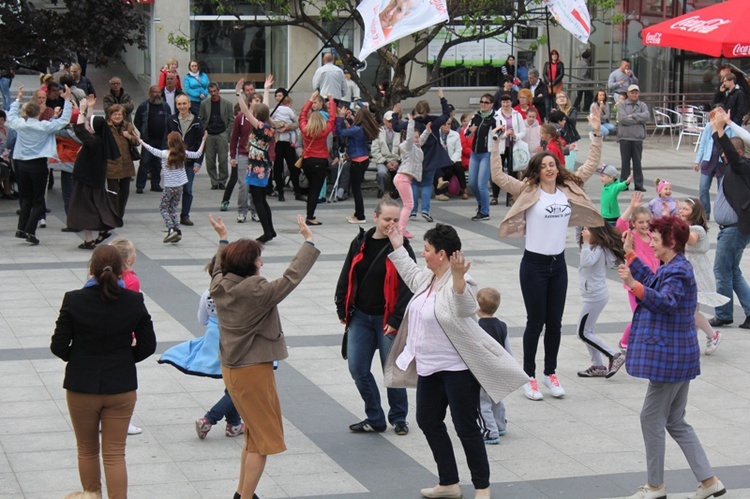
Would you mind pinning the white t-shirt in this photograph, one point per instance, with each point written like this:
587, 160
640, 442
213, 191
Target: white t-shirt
547, 223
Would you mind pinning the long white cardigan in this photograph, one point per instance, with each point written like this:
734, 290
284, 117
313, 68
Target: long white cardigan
495, 369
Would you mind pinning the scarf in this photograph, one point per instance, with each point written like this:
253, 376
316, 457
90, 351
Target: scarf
103, 132
93, 282
195, 75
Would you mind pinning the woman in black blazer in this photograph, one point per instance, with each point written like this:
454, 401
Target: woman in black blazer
101, 332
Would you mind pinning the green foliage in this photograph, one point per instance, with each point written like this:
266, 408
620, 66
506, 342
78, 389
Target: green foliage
180, 41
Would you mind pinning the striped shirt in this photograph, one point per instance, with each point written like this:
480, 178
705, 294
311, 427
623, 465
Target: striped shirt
173, 177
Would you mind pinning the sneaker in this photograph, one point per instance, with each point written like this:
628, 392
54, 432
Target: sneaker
202, 427
178, 238
746, 324
443, 491
531, 390
645, 492
442, 197
366, 427
553, 385
233, 431
134, 430
401, 428
254, 218
713, 343
241, 219
427, 217
408, 235
224, 206
412, 216
442, 184
623, 348
481, 217
715, 490
42, 223
615, 363
491, 441
171, 236
355, 220
593, 372
500, 433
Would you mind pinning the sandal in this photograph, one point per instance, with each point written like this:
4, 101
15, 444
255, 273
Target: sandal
313, 222
102, 236
493, 201
87, 245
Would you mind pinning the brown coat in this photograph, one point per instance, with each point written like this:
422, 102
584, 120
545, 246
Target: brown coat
122, 167
249, 322
583, 213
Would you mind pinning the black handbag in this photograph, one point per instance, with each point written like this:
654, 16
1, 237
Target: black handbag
135, 154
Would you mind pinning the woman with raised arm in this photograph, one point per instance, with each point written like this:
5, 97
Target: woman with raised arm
547, 202
315, 130
251, 339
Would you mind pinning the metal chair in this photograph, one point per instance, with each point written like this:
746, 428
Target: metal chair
692, 125
662, 121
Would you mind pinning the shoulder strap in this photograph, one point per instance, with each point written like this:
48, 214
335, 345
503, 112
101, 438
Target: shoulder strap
367, 273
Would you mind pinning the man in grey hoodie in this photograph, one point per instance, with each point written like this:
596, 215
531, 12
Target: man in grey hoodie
632, 116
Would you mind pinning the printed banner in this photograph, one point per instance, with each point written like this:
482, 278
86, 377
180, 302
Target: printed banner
487, 52
573, 15
388, 20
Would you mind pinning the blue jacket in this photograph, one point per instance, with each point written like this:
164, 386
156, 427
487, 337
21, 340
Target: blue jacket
435, 156
663, 344
194, 87
357, 144
706, 144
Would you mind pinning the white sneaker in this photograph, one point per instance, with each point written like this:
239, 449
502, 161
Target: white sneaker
715, 490
553, 384
645, 492
713, 343
42, 224
531, 390
241, 219
134, 430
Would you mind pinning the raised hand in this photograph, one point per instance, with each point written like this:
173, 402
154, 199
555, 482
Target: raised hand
595, 119
623, 271
269, 81
314, 95
636, 199
627, 241
240, 85
218, 225
20, 93
395, 236
440, 92
304, 229
459, 265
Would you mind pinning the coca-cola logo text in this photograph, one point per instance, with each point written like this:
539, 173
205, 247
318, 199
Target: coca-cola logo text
740, 50
695, 24
653, 38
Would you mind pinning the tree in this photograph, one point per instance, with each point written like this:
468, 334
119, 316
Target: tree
469, 20
38, 38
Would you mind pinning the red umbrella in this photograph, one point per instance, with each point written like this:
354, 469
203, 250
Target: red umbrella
718, 30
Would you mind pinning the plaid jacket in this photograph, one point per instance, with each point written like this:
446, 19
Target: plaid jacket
663, 345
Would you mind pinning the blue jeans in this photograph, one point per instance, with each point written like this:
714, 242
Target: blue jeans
426, 185
5, 91
187, 192
544, 285
224, 408
607, 129
149, 163
479, 178
703, 193
730, 243
365, 336
458, 390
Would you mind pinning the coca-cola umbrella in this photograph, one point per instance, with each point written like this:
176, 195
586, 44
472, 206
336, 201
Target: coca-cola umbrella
720, 30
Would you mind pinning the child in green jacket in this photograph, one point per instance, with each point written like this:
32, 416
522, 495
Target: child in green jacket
611, 187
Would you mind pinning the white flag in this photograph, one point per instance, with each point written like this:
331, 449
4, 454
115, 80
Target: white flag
388, 20
573, 15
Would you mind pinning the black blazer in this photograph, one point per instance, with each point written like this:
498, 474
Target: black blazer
736, 182
94, 337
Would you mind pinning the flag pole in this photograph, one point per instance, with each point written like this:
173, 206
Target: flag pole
549, 43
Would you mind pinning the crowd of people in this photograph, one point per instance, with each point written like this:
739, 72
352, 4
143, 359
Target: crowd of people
423, 322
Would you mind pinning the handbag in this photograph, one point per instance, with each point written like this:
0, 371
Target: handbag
521, 155
298, 163
135, 154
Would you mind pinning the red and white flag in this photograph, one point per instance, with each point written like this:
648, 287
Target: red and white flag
573, 15
388, 20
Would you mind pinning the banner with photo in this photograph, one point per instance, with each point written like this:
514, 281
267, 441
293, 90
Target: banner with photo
385, 21
573, 15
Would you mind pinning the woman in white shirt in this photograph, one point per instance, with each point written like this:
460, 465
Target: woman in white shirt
442, 350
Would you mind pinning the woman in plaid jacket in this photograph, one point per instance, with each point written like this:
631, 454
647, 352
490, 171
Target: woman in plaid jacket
664, 349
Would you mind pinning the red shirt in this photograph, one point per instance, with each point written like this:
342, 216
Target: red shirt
317, 147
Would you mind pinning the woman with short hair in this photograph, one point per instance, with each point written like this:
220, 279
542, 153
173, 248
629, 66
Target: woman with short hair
120, 171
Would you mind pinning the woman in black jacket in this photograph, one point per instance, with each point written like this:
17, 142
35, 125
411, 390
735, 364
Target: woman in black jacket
373, 317
101, 332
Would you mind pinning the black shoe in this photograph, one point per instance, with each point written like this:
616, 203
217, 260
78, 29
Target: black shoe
47, 210
642, 189
215, 187
380, 194
480, 217
157, 189
186, 221
21, 234
31, 238
177, 238
139, 190
401, 428
281, 197
265, 238
300, 197
172, 236
427, 217
222, 187
68, 229
366, 427
746, 324
716, 322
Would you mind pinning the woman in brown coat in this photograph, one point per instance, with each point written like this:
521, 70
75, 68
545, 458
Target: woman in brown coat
120, 170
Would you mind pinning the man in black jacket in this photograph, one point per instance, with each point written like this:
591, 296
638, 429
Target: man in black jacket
732, 213
539, 91
732, 97
191, 129
151, 121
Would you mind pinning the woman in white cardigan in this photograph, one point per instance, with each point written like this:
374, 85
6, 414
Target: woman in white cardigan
511, 127
441, 349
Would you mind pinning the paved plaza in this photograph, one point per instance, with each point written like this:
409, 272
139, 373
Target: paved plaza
587, 445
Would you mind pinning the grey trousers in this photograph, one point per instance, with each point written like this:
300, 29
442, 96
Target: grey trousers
586, 323
217, 145
491, 414
243, 197
664, 408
